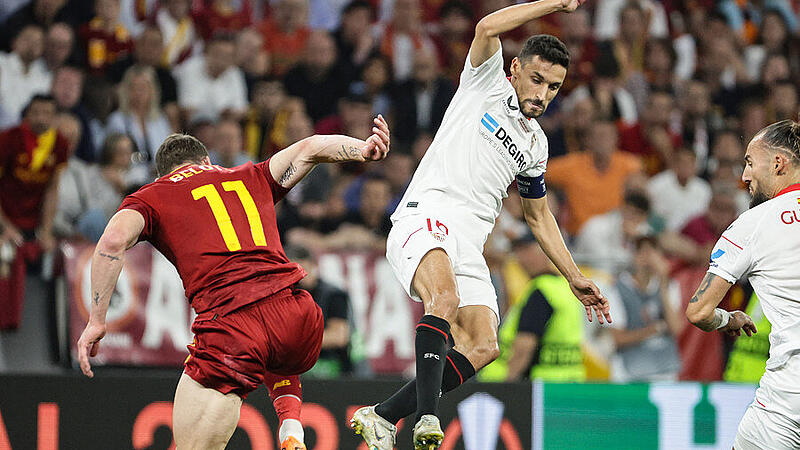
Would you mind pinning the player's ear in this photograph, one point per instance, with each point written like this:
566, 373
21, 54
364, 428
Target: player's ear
206, 161
514, 68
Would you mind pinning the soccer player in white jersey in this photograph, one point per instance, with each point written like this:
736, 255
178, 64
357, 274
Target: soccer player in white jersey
763, 244
487, 139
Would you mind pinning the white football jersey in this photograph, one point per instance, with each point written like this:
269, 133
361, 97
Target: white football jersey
484, 142
764, 244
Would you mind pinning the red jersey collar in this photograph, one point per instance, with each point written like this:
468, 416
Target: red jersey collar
786, 190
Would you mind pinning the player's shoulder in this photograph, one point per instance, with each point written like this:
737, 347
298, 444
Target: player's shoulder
749, 221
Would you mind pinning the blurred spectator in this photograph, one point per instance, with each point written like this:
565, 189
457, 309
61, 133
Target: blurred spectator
773, 38
753, 117
43, 13
576, 33
222, 16
326, 14
613, 101
456, 29
629, 42
653, 137
783, 101
268, 96
420, 102
606, 242
593, 181
677, 194
541, 336
148, 51
202, 126
354, 118
727, 163
748, 358
59, 45
90, 194
696, 240
178, 31
354, 40
647, 320
23, 73
32, 156
140, 117
376, 83
251, 57
228, 149
700, 122
211, 82
334, 359
610, 18
318, 79
135, 14
105, 39
576, 116
403, 36
100, 102
398, 169
67, 91
69, 126
286, 33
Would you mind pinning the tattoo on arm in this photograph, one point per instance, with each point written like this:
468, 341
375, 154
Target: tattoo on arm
347, 154
288, 174
96, 298
111, 257
703, 287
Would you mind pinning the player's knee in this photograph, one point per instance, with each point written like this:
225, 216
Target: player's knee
444, 305
485, 353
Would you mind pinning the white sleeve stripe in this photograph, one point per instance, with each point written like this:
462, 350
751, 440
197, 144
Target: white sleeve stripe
724, 274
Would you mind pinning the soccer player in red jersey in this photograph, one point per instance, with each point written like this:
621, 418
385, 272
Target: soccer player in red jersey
217, 226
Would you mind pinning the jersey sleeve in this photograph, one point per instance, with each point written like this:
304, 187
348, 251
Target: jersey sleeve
136, 203
732, 257
488, 76
278, 191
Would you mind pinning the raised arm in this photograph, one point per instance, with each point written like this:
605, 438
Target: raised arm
703, 313
293, 163
486, 41
544, 226
120, 234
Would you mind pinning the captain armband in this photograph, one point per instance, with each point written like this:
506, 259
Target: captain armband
531, 187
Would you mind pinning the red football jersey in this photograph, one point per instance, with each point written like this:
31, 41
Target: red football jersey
217, 226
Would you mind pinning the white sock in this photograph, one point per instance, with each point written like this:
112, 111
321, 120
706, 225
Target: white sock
293, 428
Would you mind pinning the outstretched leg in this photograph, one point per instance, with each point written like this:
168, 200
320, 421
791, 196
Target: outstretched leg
287, 399
203, 418
475, 334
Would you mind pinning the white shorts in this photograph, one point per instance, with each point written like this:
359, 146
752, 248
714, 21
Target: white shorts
761, 429
772, 421
412, 237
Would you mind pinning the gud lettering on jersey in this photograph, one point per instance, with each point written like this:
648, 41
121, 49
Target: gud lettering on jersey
483, 144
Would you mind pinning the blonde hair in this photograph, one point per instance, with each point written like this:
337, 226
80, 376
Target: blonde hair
154, 109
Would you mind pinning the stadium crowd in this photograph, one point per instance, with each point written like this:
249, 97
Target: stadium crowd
646, 141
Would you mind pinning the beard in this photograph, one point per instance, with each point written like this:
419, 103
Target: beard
757, 198
527, 109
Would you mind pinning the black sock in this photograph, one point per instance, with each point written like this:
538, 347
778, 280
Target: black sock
431, 348
457, 370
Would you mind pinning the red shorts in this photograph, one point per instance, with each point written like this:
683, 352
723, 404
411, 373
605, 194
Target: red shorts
281, 334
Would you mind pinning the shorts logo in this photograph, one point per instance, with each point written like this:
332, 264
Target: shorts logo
281, 383
441, 231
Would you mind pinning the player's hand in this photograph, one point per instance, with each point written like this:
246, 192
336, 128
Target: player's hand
588, 294
571, 5
378, 143
739, 322
88, 344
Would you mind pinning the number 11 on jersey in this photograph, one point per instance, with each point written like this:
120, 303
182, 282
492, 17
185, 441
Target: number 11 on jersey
211, 194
